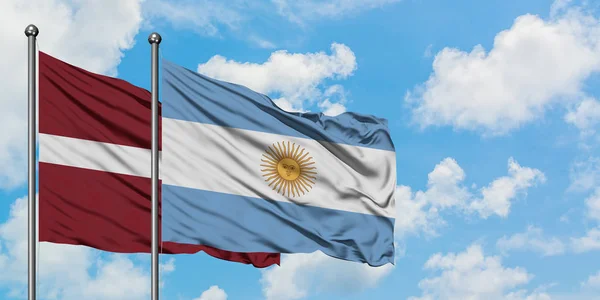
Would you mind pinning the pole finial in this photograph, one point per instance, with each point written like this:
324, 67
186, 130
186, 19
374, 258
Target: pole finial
154, 38
31, 30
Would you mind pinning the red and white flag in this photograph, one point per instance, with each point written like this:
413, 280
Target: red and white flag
94, 165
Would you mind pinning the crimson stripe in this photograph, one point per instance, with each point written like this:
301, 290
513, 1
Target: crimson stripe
110, 212
80, 104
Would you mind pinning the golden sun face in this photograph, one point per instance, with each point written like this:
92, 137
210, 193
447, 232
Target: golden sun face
289, 169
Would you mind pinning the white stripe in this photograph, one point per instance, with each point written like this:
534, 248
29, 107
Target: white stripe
93, 155
227, 160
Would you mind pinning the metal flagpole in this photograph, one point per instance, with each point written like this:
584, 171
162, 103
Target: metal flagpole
31, 32
154, 39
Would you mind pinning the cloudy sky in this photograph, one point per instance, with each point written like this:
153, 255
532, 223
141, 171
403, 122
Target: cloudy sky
493, 107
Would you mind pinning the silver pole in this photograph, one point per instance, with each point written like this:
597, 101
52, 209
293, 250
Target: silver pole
154, 39
31, 32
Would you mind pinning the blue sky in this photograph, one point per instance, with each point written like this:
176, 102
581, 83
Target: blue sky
493, 108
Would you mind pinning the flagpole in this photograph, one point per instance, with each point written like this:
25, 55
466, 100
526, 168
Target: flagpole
154, 39
31, 32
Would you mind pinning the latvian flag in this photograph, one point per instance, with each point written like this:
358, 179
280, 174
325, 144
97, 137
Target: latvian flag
94, 165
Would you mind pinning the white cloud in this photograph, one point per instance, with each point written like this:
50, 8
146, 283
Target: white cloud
69, 31
331, 109
420, 211
593, 205
533, 65
496, 197
213, 293
444, 189
586, 116
201, 16
472, 275
216, 18
559, 6
167, 267
428, 51
286, 105
261, 42
588, 291
117, 279
302, 274
589, 242
523, 295
295, 77
415, 214
593, 282
585, 175
533, 239
301, 11
335, 99
67, 271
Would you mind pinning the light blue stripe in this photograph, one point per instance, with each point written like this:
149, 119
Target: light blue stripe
245, 224
190, 96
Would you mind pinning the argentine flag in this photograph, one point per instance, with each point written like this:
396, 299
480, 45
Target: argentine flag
240, 174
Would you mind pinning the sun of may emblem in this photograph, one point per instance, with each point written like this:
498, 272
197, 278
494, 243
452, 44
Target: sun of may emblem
289, 169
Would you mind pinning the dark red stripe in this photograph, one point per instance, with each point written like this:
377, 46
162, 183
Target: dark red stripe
80, 104
110, 212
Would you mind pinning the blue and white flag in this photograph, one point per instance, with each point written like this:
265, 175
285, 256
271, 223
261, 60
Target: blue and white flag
240, 174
